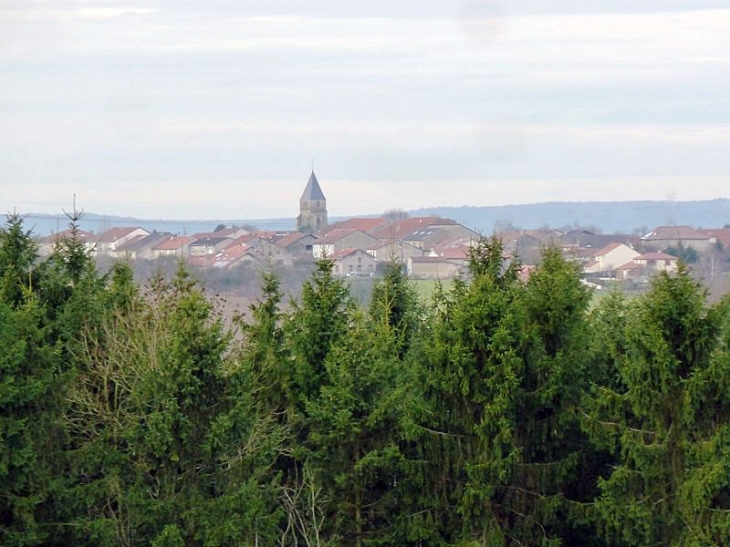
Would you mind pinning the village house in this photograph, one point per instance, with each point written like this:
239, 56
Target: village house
265, 244
297, 243
426, 238
647, 265
607, 259
172, 246
400, 229
630, 270
585, 239
665, 237
108, 242
721, 237
46, 245
393, 251
233, 232
518, 240
657, 262
352, 262
139, 247
433, 267
238, 254
341, 238
456, 251
208, 245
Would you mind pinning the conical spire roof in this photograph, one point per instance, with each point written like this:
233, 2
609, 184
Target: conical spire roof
313, 192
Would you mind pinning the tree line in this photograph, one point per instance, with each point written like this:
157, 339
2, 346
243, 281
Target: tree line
503, 412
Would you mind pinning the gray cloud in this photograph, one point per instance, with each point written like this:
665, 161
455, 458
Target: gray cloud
148, 93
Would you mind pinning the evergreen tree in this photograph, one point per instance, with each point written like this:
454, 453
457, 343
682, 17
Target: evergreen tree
264, 356
505, 375
29, 433
555, 457
18, 254
666, 422
315, 325
470, 386
394, 303
30, 395
354, 434
112, 355
252, 436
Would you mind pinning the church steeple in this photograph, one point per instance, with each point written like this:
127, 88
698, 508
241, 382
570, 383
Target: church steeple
312, 207
313, 192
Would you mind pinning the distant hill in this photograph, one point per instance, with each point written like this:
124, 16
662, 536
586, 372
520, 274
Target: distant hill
624, 216
610, 217
43, 225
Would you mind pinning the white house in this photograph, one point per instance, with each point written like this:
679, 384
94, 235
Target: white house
610, 257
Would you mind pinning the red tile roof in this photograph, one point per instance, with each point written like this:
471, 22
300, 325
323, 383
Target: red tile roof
366, 225
172, 244
663, 233
406, 226
628, 266
335, 235
55, 238
234, 253
202, 261
114, 234
290, 239
655, 256
460, 252
722, 235
607, 249
342, 253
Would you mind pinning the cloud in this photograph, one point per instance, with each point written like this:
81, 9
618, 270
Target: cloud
111, 13
147, 94
69, 13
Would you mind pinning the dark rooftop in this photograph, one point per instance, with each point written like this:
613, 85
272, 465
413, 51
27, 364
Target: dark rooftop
313, 192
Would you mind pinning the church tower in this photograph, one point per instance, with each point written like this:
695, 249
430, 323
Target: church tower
312, 207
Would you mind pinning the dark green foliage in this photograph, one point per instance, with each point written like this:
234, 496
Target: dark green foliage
688, 255
506, 413
18, 253
263, 352
554, 455
472, 379
316, 324
353, 436
31, 440
29, 456
168, 447
507, 372
667, 422
395, 303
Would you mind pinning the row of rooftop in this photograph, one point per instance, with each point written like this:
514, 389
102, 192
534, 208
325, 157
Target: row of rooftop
430, 246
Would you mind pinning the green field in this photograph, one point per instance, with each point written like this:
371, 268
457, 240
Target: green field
427, 287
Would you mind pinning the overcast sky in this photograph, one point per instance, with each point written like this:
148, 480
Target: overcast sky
216, 108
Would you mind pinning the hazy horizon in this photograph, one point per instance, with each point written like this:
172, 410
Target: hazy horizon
162, 109
63, 212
